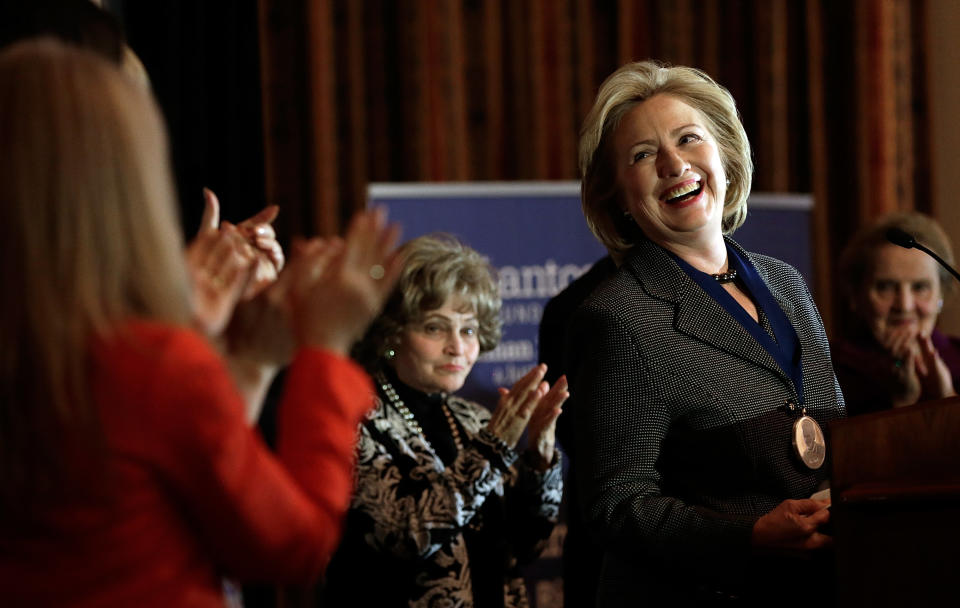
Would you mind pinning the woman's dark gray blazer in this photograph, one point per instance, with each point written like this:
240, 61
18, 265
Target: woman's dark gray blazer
681, 428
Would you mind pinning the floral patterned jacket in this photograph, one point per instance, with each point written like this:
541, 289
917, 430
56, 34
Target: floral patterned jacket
405, 541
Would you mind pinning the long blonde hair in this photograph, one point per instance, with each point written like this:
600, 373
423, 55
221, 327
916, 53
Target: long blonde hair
88, 237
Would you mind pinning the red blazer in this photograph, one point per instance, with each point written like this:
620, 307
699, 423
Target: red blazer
190, 493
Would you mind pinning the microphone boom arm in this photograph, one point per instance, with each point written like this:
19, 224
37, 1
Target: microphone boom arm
927, 251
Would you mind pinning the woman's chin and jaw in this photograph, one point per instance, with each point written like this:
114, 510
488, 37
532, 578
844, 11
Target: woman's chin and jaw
447, 381
690, 223
884, 328
421, 365
431, 378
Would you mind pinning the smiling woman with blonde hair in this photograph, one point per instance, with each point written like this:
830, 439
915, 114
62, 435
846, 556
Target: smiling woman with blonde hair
704, 366
129, 475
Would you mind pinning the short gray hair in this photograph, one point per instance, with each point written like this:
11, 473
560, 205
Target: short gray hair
436, 267
857, 261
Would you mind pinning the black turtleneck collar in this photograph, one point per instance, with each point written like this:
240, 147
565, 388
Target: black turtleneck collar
426, 408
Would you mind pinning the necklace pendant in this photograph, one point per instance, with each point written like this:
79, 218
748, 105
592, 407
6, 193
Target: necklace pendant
809, 442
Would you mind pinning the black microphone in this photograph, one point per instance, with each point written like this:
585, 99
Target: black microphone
906, 240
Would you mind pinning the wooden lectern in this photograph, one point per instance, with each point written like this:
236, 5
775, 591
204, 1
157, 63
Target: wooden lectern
896, 506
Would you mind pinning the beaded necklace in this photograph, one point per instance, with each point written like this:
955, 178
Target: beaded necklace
408, 416
725, 277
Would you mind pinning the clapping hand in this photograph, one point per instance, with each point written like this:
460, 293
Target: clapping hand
921, 372
541, 432
935, 378
530, 401
340, 285
259, 233
219, 262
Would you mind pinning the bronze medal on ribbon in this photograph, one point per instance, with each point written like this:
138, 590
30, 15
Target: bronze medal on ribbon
809, 442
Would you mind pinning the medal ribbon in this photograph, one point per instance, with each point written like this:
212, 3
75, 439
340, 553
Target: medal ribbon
785, 350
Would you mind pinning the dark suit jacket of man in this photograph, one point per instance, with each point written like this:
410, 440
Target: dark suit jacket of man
581, 554
681, 429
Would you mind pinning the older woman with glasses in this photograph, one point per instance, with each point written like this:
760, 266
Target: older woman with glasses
446, 509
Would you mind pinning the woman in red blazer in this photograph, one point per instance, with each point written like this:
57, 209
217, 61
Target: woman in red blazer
129, 475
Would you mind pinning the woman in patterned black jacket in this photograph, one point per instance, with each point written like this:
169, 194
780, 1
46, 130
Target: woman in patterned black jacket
704, 370
445, 509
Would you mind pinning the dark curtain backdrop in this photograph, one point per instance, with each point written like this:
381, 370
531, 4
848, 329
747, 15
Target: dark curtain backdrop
304, 102
832, 93
203, 61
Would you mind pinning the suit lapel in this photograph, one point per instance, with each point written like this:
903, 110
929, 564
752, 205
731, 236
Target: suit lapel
785, 304
696, 314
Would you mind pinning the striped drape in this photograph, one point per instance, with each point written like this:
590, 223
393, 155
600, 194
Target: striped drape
832, 93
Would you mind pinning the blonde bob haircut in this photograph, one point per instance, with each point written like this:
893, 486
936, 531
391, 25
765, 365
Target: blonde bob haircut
89, 238
436, 267
858, 259
628, 87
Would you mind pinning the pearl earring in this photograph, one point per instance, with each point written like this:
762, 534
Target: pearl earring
389, 354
